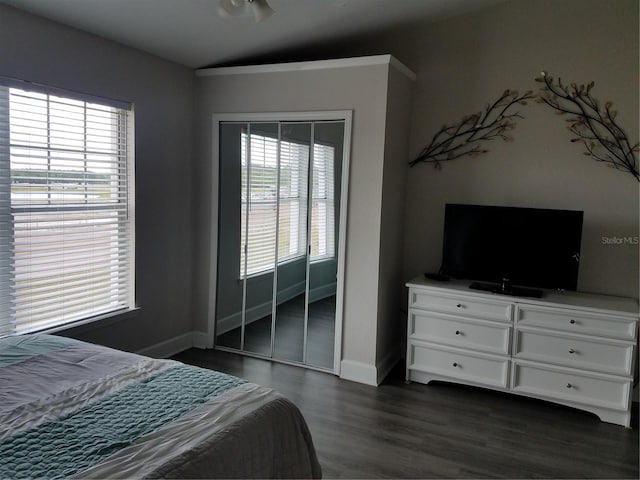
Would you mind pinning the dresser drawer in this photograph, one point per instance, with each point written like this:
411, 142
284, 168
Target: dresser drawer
575, 321
571, 386
459, 305
612, 356
459, 364
480, 335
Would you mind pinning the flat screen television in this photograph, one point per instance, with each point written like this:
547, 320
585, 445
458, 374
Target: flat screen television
512, 246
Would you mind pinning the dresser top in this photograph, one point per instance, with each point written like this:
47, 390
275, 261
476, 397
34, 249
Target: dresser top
588, 301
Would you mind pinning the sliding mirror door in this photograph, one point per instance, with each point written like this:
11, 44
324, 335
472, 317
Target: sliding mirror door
259, 180
293, 205
325, 188
280, 188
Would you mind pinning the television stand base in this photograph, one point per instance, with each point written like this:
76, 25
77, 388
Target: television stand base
513, 291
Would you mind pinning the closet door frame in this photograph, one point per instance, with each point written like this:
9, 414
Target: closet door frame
323, 116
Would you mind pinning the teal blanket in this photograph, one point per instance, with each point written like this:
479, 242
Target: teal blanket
89, 435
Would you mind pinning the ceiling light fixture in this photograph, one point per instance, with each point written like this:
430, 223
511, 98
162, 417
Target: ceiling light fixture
233, 8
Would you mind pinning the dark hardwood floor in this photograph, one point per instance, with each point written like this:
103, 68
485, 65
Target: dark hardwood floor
438, 430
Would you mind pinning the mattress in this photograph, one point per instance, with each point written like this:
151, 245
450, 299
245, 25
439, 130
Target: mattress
70, 409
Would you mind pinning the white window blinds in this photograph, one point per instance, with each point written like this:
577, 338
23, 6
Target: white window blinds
258, 217
323, 233
66, 209
293, 198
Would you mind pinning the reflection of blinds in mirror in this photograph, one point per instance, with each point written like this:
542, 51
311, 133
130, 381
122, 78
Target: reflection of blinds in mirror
323, 205
260, 197
259, 194
294, 164
258, 218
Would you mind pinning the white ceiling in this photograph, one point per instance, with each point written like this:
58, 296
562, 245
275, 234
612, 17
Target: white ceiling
191, 33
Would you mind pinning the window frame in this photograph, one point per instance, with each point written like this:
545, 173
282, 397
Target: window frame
119, 120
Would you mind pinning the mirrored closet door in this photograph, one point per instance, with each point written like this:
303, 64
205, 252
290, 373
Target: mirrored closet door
280, 189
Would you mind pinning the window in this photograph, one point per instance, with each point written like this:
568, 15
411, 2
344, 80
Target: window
284, 208
66, 207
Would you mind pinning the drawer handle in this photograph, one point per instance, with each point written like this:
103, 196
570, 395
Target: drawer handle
571, 350
572, 321
569, 385
455, 364
458, 332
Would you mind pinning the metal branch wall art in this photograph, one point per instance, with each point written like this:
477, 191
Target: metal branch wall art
466, 137
590, 123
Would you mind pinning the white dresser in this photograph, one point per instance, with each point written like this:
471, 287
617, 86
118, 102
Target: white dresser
567, 347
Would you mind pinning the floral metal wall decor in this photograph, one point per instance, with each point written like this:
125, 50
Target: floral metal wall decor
466, 136
591, 123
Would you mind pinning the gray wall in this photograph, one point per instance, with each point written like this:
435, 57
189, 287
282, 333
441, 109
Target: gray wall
391, 319
465, 62
42, 51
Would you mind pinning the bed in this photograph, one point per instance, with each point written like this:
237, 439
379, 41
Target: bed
70, 409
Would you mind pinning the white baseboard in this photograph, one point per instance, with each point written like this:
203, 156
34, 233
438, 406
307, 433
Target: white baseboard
169, 347
359, 372
349, 369
370, 374
201, 340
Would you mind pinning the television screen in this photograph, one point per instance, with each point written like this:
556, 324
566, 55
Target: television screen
528, 246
